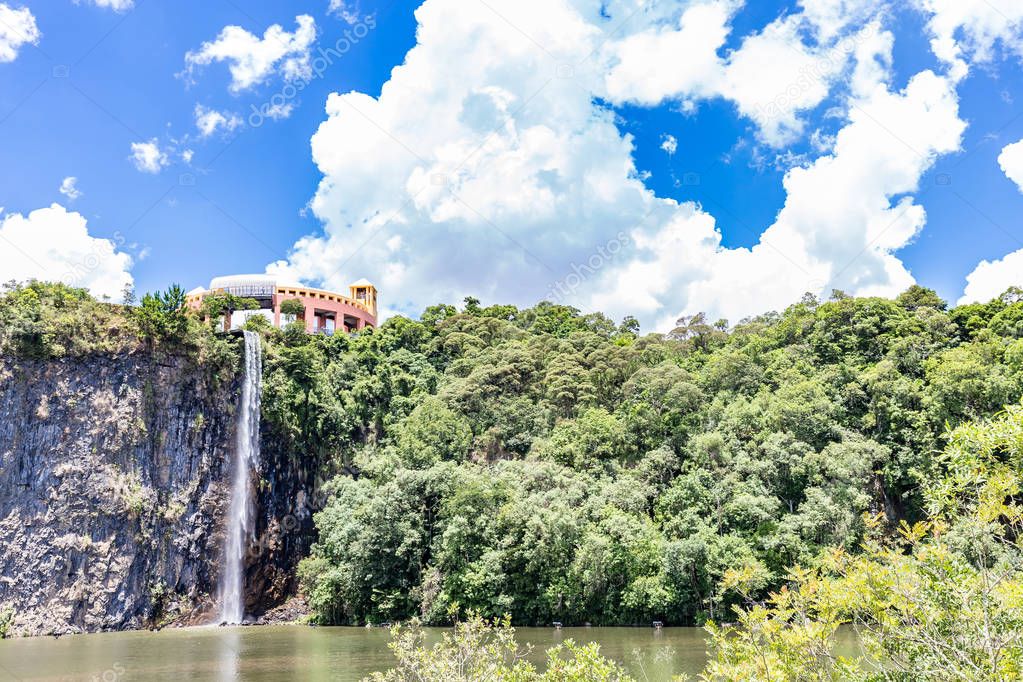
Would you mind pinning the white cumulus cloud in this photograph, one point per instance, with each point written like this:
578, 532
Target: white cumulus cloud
69, 188
54, 244
209, 121
1011, 162
683, 61
148, 157
830, 18
990, 278
973, 28
252, 60
17, 28
279, 111
487, 166
646, 68
116, 5
344, 9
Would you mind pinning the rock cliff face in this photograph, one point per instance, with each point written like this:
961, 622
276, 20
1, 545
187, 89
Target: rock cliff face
288, 495
112, 490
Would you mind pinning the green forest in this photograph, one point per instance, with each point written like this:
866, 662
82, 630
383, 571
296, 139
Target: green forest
558, 466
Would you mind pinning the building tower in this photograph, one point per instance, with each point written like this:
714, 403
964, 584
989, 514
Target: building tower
365, 293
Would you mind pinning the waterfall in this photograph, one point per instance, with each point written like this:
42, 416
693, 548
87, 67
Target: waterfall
241, 519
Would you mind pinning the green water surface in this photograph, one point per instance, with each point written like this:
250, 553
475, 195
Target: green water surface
304, 653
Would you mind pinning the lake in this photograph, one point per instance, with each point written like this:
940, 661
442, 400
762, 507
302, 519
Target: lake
341, 654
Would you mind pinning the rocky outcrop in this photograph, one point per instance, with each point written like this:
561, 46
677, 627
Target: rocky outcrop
288, 495
112, 490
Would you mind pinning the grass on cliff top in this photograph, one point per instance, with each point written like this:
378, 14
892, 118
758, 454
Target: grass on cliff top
44, 320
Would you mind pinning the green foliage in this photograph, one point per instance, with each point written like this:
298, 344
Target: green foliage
479, 650
432, 432
293, 306
41, 320
162, 315
919, 297
215, 306
941, 599
258, 324
294, 334
558, 467
595, 438
44, 320
6, 621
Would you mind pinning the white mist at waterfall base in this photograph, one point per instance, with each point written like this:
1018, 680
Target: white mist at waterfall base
241, 518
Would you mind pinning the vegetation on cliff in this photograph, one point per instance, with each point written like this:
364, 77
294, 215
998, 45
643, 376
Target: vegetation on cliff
558, 467
44, 320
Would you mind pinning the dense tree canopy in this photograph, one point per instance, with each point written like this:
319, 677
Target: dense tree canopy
939, 599
558, 467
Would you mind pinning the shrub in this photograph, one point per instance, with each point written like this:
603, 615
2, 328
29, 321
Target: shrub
162, 315
486, 651
6, 621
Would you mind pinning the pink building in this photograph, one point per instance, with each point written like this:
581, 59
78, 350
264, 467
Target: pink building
325, 311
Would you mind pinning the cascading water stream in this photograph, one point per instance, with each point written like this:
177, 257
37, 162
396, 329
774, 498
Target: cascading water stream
241, 519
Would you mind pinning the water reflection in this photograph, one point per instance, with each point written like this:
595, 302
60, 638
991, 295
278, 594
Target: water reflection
230, 647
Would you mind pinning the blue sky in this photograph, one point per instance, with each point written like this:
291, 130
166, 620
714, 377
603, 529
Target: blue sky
244, 209
615, 156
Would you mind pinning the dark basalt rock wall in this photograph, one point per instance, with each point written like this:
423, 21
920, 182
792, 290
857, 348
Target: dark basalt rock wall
112, 490
114, 477
286, 499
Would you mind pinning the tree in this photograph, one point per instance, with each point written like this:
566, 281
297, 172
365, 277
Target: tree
293, 307
438, 313
550, 318
629, 325
294, 334
259, 324
302, 364
917, 296
501, 312
217, 306
940, 600
595, 438
161, 315
128, 295
1011, 295
432, 433
696, 330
